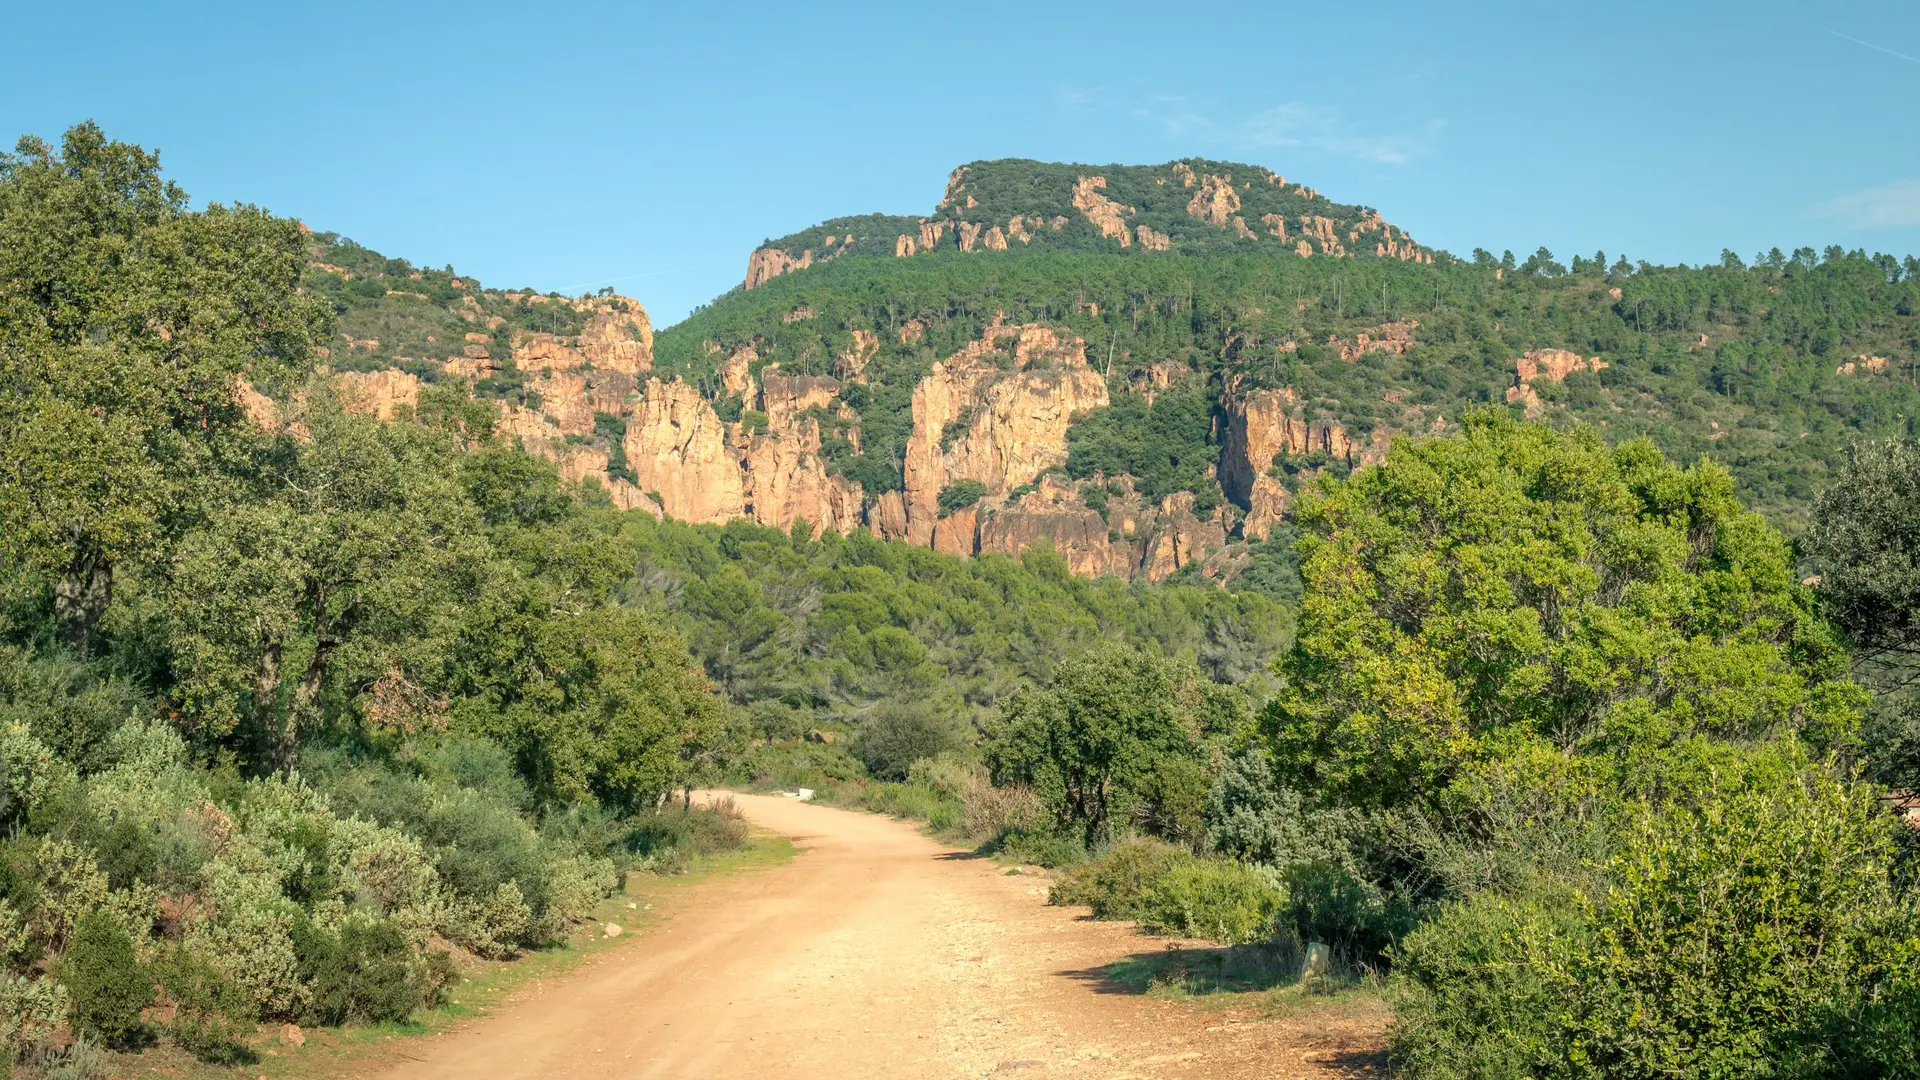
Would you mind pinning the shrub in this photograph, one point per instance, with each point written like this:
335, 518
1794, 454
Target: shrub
899, 735
1211, 899
361, 972
1040, 846
31, 1012
1116, 884
1751, 928
212, 1015
959, 495
108, 983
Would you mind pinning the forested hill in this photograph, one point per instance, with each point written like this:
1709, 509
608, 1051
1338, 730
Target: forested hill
1140, 365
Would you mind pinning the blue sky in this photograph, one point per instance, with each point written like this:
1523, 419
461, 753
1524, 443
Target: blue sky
651, 147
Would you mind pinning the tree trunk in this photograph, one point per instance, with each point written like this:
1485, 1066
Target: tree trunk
80, 597
306, 699
266, 685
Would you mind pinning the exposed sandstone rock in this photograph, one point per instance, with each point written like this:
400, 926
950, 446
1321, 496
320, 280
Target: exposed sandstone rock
799, 314
1183, 173
854, 358
887, 517
994, 240
969, 233
930, 234
1153, 241
958, 532
379, 394
1216, 201
784, 397
1263, 424
1108, 216
1322, 229
1240, 228
912, 331
1013, 423
737, 373
678, 447
1551, 365
1157, 376
1873, 365
1393, 337
766, 264
1179, 537
1055, 512
1303, 249
1266, 507
902, 246
260, 408
787, 481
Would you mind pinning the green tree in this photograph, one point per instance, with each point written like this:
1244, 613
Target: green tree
1104, 739
1514, 591
126, 325
355, 551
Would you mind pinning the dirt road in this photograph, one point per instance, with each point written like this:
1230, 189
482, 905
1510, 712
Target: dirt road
876, 953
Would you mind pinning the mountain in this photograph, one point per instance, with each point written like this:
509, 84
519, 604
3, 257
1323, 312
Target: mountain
1138, 365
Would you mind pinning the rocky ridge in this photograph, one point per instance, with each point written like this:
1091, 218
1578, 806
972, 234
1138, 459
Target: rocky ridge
1187, 206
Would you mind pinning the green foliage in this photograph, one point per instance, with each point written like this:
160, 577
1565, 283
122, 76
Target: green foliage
108, 983
125, 320
1214, 900
900, 734
959, 495
1119, 883
362, 971
1735, 936
1165, 446
213, 1017
1515, 590
1113, 736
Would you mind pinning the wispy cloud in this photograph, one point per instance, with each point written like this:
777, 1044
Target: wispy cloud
1075, 99
1173, 114
1889, 206
1318, 128
1875, 48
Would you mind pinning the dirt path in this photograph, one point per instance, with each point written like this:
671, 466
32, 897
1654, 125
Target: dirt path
876, 953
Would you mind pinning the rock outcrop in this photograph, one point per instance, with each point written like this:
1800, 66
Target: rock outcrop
1108, 216
765, 264
1549, 365
678, 448
1262, 425
381, 394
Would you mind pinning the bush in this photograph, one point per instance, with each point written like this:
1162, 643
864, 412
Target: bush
1212, 899
108, 983
1039, 846
899, 735
212, 1015
361, 972
1755, 927
1116, 885
959, 495
668, 839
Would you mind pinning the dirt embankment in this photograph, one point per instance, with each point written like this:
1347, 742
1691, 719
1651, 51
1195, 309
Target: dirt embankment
877, 953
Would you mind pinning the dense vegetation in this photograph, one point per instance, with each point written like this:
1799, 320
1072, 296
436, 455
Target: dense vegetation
1563, 744
290, 719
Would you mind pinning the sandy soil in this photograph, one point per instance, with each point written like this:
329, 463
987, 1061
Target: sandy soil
877, 953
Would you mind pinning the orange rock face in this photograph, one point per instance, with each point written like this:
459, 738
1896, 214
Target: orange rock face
1108, 216
1009, 425
1153, 241
1180, 538
677, 446
766, 264
1393, 337
1055, 513
1550, 365
379, 394
1216, 202
1266, 507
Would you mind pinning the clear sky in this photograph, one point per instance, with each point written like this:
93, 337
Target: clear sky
651, 147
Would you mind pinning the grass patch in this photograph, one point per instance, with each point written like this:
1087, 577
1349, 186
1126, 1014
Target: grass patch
1265, 978
331, 1052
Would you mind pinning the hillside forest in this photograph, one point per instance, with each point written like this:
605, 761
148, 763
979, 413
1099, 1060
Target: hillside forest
1574, 714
